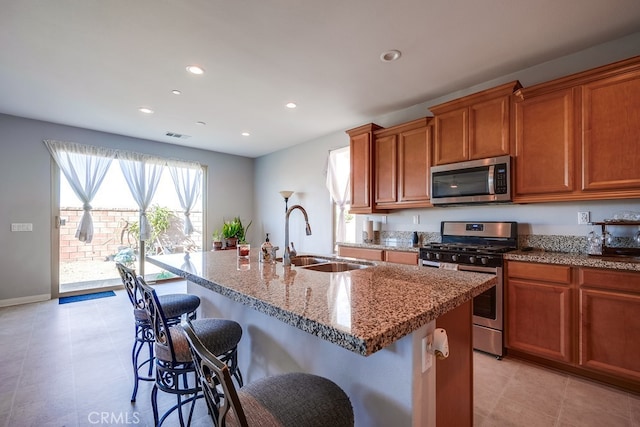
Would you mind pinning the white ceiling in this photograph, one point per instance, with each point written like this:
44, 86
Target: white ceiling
92, 63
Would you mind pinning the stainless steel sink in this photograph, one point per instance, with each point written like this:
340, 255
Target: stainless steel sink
336, 266
303, 260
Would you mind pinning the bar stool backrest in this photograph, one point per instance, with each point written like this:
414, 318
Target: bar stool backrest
128, 276
212, 374
158, 320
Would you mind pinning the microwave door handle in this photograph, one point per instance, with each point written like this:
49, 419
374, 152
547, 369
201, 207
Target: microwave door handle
491, 179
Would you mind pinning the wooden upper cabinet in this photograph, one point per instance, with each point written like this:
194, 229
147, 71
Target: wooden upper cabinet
402, 163
611, 133
576, 138
544, 154
362, 165
473, 127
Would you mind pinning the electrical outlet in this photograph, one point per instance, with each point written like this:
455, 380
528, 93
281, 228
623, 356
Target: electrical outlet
584, 218
416, 219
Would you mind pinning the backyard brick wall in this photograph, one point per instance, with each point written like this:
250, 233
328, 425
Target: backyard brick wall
107, 230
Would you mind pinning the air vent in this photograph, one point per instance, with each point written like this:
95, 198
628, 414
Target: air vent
177, 135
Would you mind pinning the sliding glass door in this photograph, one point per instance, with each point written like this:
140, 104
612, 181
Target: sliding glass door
85, 267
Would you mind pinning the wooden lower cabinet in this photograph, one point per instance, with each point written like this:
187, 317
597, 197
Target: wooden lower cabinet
583, 320
539, 310
361, 253
609, 335
399, 257
454, 384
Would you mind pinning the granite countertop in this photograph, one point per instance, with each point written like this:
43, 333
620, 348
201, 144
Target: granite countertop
361, 310
537, 255
576, 260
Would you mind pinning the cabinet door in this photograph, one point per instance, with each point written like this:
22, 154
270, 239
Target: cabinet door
386, 172
610, 322
451, 137
609, 331
538, 307
360, 172
401, 257
361, 253
611, 133
544, 144
362, 164
414, 166
489, 128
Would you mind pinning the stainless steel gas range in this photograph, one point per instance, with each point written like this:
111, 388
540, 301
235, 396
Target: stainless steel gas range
479, 247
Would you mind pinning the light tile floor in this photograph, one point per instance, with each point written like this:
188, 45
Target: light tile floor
69, 365
510, 392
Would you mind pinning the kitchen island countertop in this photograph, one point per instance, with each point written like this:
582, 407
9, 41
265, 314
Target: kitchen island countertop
362, 310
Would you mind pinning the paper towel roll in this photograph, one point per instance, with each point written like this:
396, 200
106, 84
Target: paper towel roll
369, 230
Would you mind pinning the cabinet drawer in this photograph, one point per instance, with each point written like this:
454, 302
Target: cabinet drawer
361, 253
539, 272
410, 258
609, 279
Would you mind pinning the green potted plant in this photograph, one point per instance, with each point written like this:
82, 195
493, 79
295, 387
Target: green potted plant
233, 232
217, 240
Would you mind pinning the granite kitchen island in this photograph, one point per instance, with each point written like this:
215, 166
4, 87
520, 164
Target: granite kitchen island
362, 328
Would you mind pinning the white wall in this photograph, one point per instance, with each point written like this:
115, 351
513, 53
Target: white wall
302, 169
25, 174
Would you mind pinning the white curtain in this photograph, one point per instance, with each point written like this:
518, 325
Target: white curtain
338, 185
142, 174
187, 183
85, 168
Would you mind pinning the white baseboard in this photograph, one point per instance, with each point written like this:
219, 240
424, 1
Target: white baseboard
24, 300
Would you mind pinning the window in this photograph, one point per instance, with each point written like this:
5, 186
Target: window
338, 179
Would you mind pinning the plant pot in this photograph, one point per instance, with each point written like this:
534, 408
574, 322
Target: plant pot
217, 245
231, 242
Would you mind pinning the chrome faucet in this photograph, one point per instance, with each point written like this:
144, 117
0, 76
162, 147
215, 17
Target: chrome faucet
286, 258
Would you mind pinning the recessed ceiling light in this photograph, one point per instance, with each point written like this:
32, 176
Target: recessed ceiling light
390, 55
145, 110
200, 123
194, 69
245, 134
291, 105
176, 92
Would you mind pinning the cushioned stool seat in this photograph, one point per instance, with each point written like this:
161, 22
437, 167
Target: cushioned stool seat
218, 335
175, 306
295, 399
288, 400
174, 363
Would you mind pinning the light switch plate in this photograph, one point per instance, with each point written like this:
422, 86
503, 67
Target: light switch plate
16, 226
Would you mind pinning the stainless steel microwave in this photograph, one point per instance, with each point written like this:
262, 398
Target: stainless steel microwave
475, 181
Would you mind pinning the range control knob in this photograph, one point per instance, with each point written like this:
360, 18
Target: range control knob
484, 260
437, 256
454, 258
472, 259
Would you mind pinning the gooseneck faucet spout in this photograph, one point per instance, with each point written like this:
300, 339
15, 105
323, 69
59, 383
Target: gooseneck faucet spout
286, 259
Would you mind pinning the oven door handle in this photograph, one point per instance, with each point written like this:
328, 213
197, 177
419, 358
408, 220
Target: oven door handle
462, 267
478, 269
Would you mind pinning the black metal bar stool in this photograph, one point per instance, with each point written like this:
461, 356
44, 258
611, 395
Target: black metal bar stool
174, 362
287, 400
174, 305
